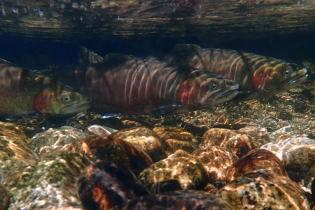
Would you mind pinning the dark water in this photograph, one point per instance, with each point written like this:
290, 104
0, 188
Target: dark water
41, 53
290, 110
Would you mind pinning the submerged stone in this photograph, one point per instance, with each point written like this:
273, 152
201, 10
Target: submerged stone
174, 139
237, 144
15, 153
215, 160
216, 136
55, 140
210, 188
106, 186
261, 190
15, 145
256, 160
191, 200
51, 184
101, 131
180, 166
118, 151
43, 178
297, 154
143, 139
259, 135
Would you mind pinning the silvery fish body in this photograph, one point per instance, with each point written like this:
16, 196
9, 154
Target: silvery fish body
131, 84
253, 72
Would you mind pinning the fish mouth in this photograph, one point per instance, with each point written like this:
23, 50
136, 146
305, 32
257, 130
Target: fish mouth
75, 108
227, 95
298, 77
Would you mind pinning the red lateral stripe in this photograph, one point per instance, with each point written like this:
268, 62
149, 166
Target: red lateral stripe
259, 78
41, 101
256, 82
186, 92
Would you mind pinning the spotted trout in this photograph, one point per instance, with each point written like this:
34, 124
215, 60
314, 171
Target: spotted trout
123, 83
254, 73
25, 92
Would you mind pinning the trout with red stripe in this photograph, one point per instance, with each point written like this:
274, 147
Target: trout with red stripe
130, 84
253, 72
26, 92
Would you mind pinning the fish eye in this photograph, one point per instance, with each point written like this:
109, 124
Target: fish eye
214, 86
66, 98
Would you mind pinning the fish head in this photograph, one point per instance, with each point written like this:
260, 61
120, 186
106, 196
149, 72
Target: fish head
60, 100
206, 89
284, 75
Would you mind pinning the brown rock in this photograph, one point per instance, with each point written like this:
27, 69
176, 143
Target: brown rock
238, 144
122, 153
191, 200
296, 153
106, 186
258, 159
180, 166
176, 138
109, 187
261, 190
131, 123
209, 188
15, 145
259, 135
144, 140
215, 136
215, 160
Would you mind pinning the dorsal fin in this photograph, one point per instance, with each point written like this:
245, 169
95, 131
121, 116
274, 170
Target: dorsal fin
182, 53
186, 49
88, 56
110, 60
116, 58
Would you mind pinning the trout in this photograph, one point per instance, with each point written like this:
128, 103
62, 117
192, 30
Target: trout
254, 73
26, 92
123, 83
